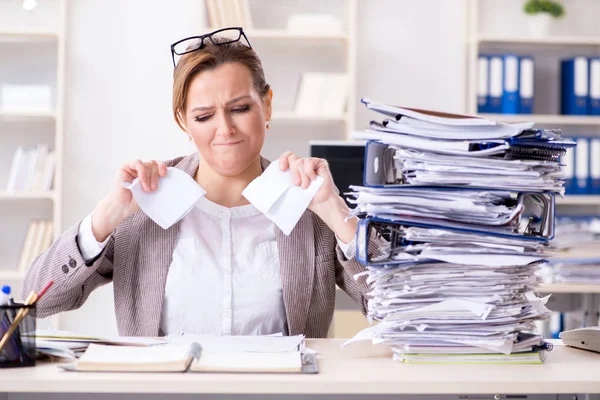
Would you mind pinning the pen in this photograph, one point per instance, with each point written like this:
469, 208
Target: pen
31, 300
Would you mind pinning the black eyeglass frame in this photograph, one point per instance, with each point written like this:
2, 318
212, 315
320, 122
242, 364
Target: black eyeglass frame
208, 35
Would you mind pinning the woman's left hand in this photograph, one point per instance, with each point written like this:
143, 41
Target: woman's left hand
327, 203
305, 170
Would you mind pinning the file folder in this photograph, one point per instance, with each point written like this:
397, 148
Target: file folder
536, 222
483, 84
574, 86
594, 185
526, 85
582, 166
568, 162
380, 166
594, 80
510, 88
496, 73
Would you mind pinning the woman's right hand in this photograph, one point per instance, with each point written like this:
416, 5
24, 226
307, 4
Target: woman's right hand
119, 203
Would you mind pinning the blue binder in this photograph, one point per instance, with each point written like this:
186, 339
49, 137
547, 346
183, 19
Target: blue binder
582, 166
526, 84
568, 160
594, 86
594, 172
510, 84
496, 67
483, 83
574, 86
542, 230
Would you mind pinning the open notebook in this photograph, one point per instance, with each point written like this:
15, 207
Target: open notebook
161, 358
257, 356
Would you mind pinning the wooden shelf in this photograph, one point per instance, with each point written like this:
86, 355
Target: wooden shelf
551, 119
21, 36
579, 200
549, 40
284, 34
26, 115
292, 116
26, 195
568, 288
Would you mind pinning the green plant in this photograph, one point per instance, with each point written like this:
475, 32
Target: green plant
553, 8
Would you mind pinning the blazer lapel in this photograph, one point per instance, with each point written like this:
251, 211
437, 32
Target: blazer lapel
297, 270
163, 243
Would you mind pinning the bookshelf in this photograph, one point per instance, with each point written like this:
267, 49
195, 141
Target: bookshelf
505, 34
40, 36
278, 46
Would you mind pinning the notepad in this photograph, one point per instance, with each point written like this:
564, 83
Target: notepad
163, 358
287, 362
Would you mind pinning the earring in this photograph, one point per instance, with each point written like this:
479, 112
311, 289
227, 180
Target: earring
268, 125
189, 137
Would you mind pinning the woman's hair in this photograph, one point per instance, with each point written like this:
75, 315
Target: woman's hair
209, 57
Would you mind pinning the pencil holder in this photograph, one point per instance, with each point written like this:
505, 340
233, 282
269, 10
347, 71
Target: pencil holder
19, 350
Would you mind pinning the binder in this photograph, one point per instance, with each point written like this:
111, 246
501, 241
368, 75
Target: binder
496, 67
594, 87
526, 84
537, 230
568, 161
594, 183
574, 86
483, 83
380, 168
582, 166
510, 87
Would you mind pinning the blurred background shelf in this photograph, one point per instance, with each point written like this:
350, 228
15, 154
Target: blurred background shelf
583, 120
27, 35
26, 115
549, 40
286, 34
292, 116
569, 288
579, 200
6, 274
26, 195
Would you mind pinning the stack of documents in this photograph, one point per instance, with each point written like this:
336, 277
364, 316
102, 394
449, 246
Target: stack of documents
467, 208
578, 262
433, 149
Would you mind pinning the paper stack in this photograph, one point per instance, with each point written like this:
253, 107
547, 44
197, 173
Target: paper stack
467, 207
579, 260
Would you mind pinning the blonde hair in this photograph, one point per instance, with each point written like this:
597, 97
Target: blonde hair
211, 56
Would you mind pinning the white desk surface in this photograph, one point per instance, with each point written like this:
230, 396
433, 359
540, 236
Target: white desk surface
358, 369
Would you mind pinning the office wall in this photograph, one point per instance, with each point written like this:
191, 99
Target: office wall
119, 87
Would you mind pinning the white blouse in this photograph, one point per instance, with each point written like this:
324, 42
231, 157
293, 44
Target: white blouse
224, 274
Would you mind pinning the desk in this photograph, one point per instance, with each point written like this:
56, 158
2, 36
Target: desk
359, 369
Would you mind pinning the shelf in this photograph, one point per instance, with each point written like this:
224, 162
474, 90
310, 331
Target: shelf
549, 40
26, 115
568, 288
6, 274
284, 34
587, 120
20, 36
579, 200
26, 195
292, 116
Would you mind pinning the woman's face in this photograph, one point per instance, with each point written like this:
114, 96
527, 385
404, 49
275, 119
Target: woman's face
227, 118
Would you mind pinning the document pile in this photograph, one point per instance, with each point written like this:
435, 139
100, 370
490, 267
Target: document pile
467, 207
579, 260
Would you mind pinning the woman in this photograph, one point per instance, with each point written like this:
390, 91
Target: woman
224, 268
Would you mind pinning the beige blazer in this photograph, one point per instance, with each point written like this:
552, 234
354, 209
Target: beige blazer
137, 258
